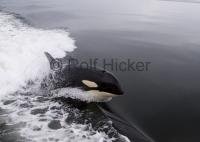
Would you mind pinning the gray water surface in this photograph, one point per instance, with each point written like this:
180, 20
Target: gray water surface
164, 101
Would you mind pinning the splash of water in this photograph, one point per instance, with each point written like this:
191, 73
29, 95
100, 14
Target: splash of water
22, 51
22, 59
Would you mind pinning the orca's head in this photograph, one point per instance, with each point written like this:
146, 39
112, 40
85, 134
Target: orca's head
98, 83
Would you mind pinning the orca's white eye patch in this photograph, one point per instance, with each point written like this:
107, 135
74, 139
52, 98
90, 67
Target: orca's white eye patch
89, 83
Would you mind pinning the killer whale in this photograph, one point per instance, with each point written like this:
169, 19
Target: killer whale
97, 80
97, 83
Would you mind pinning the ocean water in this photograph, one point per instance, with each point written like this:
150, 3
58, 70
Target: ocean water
162, 102
27, 112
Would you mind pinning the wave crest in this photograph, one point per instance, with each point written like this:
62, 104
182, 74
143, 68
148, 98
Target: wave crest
22, 51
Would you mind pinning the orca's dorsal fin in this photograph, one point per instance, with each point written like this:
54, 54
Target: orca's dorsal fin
55, 64
49, 57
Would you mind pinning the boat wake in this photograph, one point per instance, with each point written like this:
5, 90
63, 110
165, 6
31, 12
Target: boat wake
28, 113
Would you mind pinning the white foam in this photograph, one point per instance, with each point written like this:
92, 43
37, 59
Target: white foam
22, 51
66, 133
22, 59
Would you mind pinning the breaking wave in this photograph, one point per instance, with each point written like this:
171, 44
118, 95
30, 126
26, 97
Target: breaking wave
22, 51
27, 113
